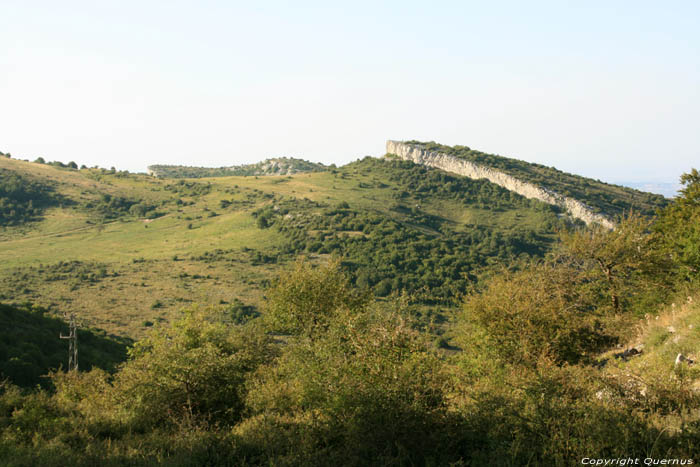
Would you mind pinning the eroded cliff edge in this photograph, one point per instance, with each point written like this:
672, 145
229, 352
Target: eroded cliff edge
448, 163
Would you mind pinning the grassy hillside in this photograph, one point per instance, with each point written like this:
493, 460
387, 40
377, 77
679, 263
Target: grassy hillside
275, 166
536, 368
126, 250
658, 342
606, 198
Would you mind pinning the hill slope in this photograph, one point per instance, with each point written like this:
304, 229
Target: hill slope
124, 251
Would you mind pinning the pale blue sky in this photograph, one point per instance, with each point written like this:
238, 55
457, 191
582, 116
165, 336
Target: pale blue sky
606, 89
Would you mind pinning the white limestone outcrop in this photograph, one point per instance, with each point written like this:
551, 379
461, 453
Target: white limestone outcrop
469, 169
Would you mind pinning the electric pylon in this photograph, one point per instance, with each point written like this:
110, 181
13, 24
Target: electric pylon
72, 343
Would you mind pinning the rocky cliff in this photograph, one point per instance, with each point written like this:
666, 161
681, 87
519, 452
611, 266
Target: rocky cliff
469, 169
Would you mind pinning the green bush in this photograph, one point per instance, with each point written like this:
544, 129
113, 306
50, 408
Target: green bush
366, 391
304, 300
193, 371
543, 311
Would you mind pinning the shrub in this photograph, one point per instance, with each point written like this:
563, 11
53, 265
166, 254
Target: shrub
366, 391
304, 300
193, 371
543, 311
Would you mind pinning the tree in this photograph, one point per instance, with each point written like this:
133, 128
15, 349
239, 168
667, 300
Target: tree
138, 210
679, 226
304, 300
194, 370
544, 310
627, 263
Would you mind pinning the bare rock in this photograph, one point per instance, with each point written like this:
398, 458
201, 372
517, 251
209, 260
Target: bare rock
683, 359
628, 353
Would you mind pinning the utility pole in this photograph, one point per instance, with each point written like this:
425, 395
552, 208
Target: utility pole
72, 344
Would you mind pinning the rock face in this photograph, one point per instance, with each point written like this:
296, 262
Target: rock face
469, 169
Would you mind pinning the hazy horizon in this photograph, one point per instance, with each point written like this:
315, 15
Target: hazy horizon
600, 90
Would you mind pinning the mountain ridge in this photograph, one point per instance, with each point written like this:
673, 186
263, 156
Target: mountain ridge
271, 166
459, 160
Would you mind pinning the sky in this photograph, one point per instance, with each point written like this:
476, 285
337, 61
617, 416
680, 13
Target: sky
605, 89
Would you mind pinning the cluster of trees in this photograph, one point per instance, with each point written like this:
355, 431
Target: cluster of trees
70, 165
109, 207
23, 199
388, 255
610, 199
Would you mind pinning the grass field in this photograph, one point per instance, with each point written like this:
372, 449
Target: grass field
151, 267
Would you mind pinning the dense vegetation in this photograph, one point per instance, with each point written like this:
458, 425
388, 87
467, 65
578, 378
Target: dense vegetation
610, 199
23, 199
681, 222
536, 380
276, 166
407, 249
